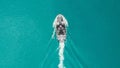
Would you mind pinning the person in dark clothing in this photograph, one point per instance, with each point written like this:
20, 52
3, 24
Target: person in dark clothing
61, 29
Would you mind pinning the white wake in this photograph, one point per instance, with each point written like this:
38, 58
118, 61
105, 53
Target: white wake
61, 55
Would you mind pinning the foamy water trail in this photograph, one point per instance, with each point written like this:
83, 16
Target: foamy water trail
61, 55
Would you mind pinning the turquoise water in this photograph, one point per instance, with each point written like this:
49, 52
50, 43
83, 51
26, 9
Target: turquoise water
26, 29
